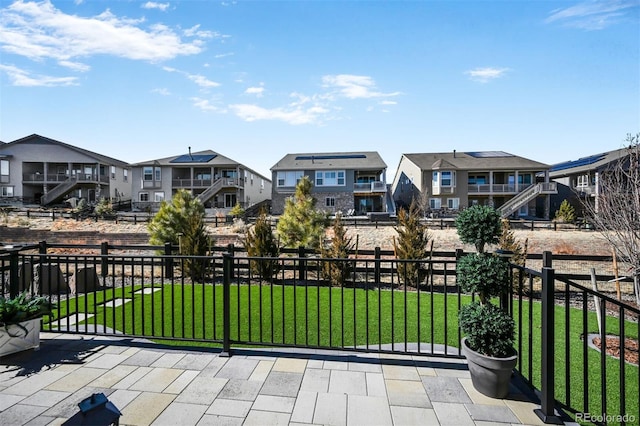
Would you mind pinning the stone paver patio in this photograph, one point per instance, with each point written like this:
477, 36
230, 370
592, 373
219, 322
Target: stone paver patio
159, 385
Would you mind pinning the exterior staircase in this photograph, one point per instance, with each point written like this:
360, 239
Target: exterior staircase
58, 191
211, 191
511, 206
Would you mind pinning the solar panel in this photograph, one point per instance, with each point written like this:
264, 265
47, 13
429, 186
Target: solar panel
489, 154
577, 163
194, 158
330, 157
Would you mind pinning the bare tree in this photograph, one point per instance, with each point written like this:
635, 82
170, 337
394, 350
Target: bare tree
616, 212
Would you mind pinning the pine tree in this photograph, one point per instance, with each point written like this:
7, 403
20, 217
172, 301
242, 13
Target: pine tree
413, 239
566, 212
260, 242
181, 222
337, 272
301, 225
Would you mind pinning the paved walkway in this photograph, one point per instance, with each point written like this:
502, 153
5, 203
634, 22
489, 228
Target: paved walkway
151, 384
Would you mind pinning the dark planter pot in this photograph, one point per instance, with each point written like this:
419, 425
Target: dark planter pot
490, 376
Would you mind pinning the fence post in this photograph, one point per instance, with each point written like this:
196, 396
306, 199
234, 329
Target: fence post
547, 374
376, 273
104, 263
42, 250
227, 269
232, 251
302, 265
14, 283
547, 259
168, 260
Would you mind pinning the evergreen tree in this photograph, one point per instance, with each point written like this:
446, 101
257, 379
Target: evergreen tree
301, 224
337, 272
181, 222
566, 212
237, 210
413, 239
260, 242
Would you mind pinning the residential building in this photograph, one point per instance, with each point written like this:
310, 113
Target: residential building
449, 181
578, 179
348, 182
219, 182
40, 170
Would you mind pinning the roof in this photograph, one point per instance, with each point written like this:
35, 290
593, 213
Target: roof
37, 139
479, 160
204, 158
584, 164
199, 158
331, 160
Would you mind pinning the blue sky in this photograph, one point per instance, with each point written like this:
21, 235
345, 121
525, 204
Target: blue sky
255, 80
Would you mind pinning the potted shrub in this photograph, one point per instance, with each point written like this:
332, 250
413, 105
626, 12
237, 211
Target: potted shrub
488, 330
20, 322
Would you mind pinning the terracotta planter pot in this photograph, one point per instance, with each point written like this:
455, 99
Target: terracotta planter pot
14, 338
490, 376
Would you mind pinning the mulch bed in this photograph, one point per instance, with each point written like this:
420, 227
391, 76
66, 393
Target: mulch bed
613, 348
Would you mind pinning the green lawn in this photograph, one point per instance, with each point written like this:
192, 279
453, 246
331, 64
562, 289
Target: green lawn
335, 317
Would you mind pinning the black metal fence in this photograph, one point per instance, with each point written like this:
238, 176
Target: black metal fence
571, 344
370, 302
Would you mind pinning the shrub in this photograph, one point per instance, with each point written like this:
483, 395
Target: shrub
337, 272
181, 222
488, 329
479, 225
22, 308
260, 242
566, 212
104, 208
413, 239
237, 210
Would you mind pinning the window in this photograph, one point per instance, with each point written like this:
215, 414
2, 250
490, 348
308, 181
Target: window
4, 170
158, 196
151, 173
524, 179
477, 180
435, 203
125, 175
143, 196
330, 202
330, 178
583, 181
453, 203
113, 172
6, 191
447, 179
289, 178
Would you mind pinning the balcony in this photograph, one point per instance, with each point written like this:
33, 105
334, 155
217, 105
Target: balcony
497, 188
58, 178
370, 187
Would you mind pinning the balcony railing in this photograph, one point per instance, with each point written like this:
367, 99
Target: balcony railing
377, 186
80, 177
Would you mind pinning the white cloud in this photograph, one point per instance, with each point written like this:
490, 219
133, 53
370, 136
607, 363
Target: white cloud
154, 5
484, 75
20, 77
206, 105
195, 31
40, 32
223, 55
388, 103
76, 66
294, 116
161, 91
198, 79
593, 14
202, 81
258, 91
354, 86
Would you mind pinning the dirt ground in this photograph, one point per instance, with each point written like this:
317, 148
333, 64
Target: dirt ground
583, 242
